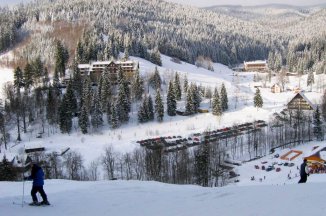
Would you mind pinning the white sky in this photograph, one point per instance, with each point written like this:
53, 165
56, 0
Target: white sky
205, 3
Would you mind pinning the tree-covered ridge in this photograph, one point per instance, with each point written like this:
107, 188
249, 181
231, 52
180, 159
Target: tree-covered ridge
146, 28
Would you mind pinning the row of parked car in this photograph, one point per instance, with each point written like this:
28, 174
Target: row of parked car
175, 143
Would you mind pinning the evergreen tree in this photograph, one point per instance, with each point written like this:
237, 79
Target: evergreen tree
310, 79
258, 100
216, 104
177, 87
190, 102
96, 113
150, 108
159, 107
38, 68
202, 165
71, 99
137, 86
65, 116
114, 116
7, 170
196, 95
171, 101
317, 129
156, 57
18, 78
46, 78
83, 120
185, 84
106, 92
86, 94
123, 105
155, 80
143, 111
77, 82
52, 106
224, 98
28, 77
61, 59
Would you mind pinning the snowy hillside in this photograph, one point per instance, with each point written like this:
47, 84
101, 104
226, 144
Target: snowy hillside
240, 88
135, 198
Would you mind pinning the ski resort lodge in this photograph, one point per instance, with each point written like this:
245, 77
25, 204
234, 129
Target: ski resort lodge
255, 66
95, 69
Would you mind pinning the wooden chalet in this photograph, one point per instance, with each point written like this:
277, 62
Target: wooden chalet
276, 88
299, 101
255, 66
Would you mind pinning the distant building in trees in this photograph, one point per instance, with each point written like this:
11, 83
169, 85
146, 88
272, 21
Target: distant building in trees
276, 88
255, 66
95, 69
301, 102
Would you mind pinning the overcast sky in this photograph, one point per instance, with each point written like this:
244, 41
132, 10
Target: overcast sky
205, 3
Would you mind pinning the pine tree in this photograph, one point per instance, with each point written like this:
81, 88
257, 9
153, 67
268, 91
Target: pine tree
86, 94
137, 86
143, 111
52, 106
224, 98
155, 80
61, 58
18, 78
123, 105
159, 107
185, 84
7, 170
216, 104
71, 99
28, 77
150, 108
177, 87
77, 82
317, 129
96, 113
106, 91
83, 120
65, 116
156, 57
258, 100
190, 102
196, 95
171, 101
114, 116
310, 79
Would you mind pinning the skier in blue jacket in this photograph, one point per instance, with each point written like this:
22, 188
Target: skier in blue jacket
37, 175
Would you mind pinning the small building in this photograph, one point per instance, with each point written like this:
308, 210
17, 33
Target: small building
301, 102
276, 88
255, 65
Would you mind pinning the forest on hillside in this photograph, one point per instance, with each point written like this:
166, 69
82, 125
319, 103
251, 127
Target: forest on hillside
141, 27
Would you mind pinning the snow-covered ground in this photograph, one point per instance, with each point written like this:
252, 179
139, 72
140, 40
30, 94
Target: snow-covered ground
274, 195
125, 198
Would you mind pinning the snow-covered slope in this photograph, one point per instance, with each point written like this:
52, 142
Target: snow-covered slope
125, 198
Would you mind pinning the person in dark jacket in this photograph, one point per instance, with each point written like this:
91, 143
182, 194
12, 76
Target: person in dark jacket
304, 172
37, 175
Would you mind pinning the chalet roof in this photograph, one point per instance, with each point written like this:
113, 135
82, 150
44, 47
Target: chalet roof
275, 84
255, 62
300, 94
